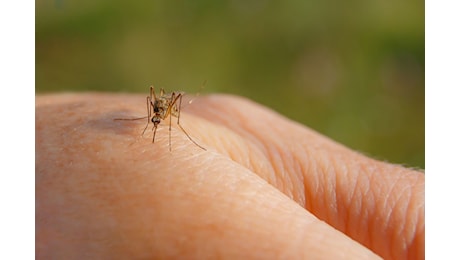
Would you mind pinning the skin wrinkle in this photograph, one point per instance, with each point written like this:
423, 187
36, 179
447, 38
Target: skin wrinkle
329, 172
363, 210
287, 170
301, 182
348, 186
298, 178
330, 180
329, 192
312, 186
271, 177
263, 167
356, 217
399, 208
353, 202
374, 236
298, 175
270, 152
322, 197
280, 179
401, 205
346, 178
388, 208
413, 253
399, 237
368, 197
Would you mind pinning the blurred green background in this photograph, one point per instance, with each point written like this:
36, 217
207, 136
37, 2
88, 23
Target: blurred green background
352, 70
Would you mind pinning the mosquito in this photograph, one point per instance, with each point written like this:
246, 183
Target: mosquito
159, 108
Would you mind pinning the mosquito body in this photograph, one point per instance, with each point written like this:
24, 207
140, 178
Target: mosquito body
159, 108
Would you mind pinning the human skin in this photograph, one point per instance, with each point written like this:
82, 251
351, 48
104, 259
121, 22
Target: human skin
265, 187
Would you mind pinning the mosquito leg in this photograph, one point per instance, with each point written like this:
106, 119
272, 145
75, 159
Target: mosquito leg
148, 115
170, 132
170, 119
178, 110
183, 130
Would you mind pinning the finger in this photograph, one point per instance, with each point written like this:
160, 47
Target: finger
98, 197
378, 204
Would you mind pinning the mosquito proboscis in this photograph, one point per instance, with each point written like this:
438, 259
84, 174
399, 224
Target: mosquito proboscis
159, 108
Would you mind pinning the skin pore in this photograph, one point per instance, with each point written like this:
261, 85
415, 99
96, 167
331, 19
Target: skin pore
266, 187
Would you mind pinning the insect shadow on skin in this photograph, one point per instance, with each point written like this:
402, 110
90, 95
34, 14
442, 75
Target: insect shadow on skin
159, 108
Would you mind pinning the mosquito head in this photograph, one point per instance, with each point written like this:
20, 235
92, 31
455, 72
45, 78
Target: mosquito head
156, 120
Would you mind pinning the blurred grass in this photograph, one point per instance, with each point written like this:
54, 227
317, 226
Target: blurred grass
352, 70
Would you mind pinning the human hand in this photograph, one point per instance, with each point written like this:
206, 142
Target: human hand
266, 187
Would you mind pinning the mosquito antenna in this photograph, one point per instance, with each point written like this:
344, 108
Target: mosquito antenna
198, 94
148, 115
152, 93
